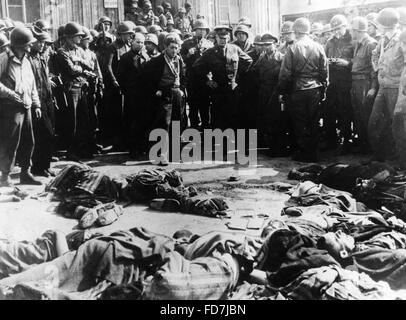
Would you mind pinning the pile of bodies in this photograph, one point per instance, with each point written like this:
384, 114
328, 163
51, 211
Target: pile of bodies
326, 245
91, 196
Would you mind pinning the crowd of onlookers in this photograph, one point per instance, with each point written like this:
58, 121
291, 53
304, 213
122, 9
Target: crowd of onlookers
312, 88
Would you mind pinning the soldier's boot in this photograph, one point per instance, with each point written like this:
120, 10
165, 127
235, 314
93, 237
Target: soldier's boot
26, 178
5, 181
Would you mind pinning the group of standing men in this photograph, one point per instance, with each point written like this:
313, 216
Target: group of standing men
90, 88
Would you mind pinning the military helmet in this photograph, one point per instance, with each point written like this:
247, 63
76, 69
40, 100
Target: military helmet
338, 21
61, 32
371, 17
105, 19
257, 40
388, 18
201, 24
2, 25
73, 29
316, 28
268, 38
134, 4
221, 29
302, 25
43, 36
360, 24
243, 29
126, 27
173, 37
402, 15
326, 29
147, 4
154, 29
166, 5
88, 35
245, 21
21, 37
152, 38
141, 29
3, 41
9, 24
287, 27
41, 25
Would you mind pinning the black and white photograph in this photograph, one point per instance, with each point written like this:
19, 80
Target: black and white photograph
215, 151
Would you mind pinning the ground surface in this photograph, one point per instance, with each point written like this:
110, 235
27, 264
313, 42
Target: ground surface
253, 194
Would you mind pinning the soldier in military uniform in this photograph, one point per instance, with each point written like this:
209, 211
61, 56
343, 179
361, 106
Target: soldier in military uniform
96, 87
373, 26
287, 37
182, 22
389, 61
364, 80
223, 66
340, 51
272, 122
18, 97
198, 92
325, 35
105, 24
316, 31
137, 117
134, 12
242, 35
302, 83
113, 100
44, 128
167, 10
155, 29
151, 45
74, 66
147, 17
161, 17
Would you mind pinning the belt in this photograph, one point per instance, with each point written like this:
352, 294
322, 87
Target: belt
360, 77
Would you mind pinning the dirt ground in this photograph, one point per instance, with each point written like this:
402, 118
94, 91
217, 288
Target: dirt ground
253, 194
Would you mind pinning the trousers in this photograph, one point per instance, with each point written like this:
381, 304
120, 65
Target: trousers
16, 134
380, 123
44, 136
304, 110
79, 128
362, 107
338, 109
